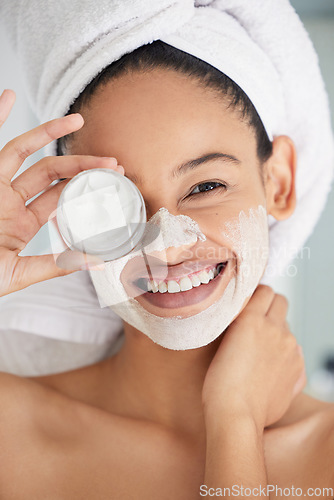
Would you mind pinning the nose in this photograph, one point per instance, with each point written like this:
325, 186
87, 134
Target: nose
173, 256
154, 204
178, 236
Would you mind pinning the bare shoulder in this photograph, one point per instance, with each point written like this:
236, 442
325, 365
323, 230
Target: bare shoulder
323, 455
38, 428
17, 421
328, 441
300, 447
52, 442
15, 392
323, 413
20, 392
318, 444
29, 411
318, 416
21, 400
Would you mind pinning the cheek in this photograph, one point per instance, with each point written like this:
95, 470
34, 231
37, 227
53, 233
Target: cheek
245, 234
252, 191
218, 222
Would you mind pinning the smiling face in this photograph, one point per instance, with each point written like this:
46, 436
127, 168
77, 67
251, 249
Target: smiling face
158, 121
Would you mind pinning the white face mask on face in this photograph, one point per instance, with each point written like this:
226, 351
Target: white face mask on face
249, 241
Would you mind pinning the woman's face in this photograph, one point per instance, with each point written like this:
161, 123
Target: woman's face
153, 123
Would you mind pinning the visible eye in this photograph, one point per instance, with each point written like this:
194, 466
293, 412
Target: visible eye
208, 188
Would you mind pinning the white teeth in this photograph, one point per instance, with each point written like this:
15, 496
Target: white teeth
204, 277
162, 287
173, 286
185, 284
195, 280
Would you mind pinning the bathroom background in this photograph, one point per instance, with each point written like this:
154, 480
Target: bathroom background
309, 286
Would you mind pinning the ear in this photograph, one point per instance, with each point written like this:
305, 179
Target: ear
280, 178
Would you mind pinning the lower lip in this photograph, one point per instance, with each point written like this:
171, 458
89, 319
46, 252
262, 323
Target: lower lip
183, 299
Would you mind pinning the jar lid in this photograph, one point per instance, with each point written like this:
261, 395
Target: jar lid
101, 212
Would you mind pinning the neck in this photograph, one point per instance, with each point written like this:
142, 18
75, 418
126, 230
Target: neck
159, 384
148, 382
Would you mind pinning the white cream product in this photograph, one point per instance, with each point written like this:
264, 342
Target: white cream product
101, 212
248, 238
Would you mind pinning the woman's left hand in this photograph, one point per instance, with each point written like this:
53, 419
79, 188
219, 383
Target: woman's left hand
258, 368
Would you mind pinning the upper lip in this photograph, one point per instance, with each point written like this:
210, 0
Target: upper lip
162, 271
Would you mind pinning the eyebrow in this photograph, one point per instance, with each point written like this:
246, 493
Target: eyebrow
192, 164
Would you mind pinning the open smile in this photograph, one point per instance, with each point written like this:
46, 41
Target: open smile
181, 298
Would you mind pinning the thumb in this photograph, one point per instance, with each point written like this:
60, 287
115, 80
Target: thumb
74, 260
33, 269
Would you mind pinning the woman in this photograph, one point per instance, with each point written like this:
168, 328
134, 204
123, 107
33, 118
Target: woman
177, 422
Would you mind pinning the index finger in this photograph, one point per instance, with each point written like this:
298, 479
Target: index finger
7, 100
17, 150
261, 299
278, 308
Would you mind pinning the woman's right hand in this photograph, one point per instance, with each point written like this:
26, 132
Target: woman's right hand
258, 368
19, 222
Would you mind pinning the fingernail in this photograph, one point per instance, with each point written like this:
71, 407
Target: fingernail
5, 94
108, 158
97, 267
75, 115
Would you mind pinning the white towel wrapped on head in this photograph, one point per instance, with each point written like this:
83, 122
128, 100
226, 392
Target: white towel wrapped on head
260, 44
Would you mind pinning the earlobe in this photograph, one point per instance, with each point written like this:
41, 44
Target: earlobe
281, 176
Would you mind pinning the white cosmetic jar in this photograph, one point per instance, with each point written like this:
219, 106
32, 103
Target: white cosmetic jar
101, 212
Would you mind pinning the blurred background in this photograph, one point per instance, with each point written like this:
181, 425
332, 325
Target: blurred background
310, 285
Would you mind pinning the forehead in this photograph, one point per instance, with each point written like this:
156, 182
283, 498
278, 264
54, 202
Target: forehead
159, 118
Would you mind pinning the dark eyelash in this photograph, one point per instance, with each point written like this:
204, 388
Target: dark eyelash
210, 191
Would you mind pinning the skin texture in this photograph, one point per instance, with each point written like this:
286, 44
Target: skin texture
160, 410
